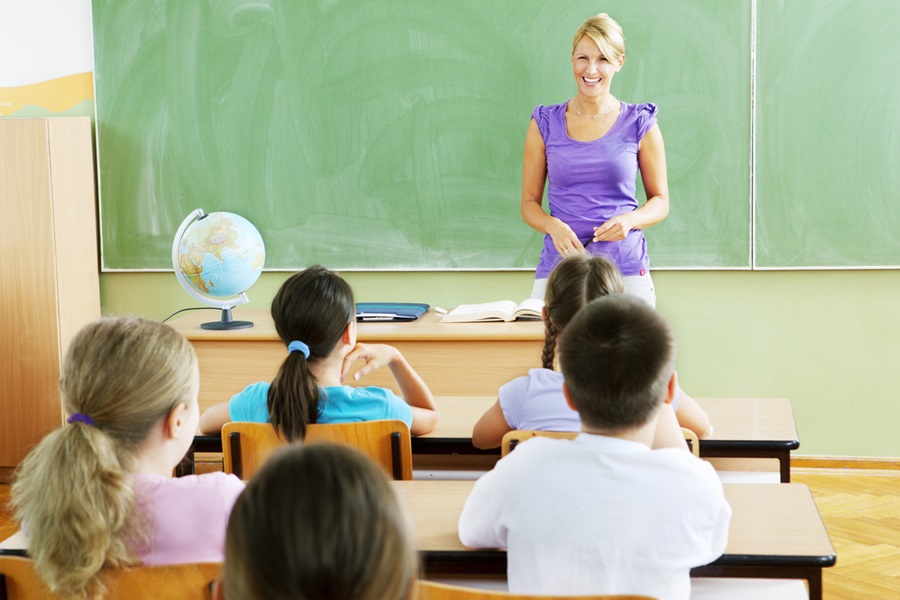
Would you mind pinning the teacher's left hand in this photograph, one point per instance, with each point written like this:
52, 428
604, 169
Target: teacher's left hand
613, 230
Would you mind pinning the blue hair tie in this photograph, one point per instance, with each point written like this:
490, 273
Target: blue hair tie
80, 418
297, 346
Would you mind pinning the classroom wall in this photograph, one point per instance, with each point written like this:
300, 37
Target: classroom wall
828, 340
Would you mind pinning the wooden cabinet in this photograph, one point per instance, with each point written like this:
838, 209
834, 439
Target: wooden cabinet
49, 280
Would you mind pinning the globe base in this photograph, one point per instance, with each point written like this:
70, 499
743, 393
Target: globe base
223, 326
226, 323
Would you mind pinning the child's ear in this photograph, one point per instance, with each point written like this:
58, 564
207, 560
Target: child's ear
348, 338
568, 396
217, 590
672, 388
544, 316
175, 420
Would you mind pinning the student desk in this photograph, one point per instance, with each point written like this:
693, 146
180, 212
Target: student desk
776, 532
15, 545
453, 358
743, 428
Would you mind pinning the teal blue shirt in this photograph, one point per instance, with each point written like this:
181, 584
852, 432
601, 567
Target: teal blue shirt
338, 404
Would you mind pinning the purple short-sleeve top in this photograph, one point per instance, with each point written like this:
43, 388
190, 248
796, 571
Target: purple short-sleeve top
591, 182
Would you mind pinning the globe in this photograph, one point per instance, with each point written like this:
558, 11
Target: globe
217, 257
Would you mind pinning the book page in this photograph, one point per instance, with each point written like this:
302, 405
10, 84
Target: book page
503, 306
530, 307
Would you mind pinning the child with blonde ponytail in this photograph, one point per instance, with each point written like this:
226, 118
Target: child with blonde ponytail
99, 493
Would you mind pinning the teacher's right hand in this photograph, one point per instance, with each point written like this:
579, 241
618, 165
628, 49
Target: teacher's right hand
564, 238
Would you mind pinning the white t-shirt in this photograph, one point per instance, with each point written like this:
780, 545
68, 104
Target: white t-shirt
599, 515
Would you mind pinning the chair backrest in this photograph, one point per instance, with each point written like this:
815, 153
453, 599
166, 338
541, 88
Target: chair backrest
517, 436
188, 581
429, 590
245, 446
692, 440
512, 438
387, 442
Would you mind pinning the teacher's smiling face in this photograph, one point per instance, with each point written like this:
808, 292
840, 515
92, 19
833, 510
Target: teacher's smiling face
593, 71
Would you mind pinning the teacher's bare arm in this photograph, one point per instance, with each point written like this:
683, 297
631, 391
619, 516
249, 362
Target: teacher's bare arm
534, 175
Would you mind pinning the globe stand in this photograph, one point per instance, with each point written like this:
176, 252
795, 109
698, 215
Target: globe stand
226, 323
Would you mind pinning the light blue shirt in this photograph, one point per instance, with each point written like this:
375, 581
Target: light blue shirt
338, 404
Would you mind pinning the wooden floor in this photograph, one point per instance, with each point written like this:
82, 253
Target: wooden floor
861, 509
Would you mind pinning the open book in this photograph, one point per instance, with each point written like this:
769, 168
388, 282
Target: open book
504, 310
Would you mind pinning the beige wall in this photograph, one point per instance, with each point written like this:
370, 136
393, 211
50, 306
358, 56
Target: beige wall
828, 340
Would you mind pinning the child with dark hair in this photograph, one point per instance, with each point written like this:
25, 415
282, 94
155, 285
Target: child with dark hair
603, 513
318, 521
315, 317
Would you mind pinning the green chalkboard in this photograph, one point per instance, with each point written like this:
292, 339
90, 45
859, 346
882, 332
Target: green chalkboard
387, 134
828, 161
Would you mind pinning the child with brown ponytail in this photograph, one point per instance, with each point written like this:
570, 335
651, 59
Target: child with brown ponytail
315, 317
535, 401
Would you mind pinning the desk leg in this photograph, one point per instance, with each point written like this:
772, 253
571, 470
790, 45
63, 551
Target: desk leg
784, 459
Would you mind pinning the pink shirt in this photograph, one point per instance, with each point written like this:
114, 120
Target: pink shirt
188, 516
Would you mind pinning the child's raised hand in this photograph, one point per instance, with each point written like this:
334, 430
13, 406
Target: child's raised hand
374, 356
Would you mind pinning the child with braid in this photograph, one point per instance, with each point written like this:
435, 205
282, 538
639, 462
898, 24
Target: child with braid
315, 317
535, 401
98, 493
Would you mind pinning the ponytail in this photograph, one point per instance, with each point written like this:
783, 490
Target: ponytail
293, 398
73, 494
311, 311
74, 497
549, 351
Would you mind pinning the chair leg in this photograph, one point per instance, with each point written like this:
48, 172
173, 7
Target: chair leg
234, 441
396, 456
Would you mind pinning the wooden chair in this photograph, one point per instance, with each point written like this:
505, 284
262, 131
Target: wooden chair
19, 581
517, 436
512, 438
245, 446
429, 590
692, 440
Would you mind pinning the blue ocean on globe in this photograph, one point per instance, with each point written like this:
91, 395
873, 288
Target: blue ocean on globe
221, 255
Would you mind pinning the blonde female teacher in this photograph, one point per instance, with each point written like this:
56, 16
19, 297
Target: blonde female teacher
589, 149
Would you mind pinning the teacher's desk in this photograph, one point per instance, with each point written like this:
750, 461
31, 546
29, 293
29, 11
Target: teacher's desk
452, 358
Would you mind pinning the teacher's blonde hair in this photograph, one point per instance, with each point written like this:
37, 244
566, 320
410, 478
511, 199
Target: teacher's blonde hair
606, 33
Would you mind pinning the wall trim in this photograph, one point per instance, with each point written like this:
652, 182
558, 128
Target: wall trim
845, 462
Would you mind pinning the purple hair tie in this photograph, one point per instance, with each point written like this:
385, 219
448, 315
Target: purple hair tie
81, 418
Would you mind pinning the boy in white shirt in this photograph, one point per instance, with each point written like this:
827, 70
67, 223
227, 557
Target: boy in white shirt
605, 514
